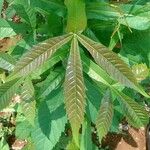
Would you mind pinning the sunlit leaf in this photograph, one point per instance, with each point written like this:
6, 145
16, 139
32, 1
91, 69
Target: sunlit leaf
74, 90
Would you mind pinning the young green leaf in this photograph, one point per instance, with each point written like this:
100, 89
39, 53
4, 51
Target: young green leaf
74, 90
39, 54
77, 20
140, 71
7, 91
110, 62
105, 116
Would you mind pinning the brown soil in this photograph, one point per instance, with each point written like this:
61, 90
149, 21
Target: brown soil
132, 140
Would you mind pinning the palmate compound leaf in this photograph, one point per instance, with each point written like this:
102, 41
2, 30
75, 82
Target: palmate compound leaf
110, 62
7, 91
135, 113
105, 115
39, 54
74, 90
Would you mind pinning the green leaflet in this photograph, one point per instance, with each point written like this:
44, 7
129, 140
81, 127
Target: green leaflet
74, 90
28, 103
50, 83
7, 62
105, 115
50, 122
76, 20
7, 91
39, 54
135, 113
110, 62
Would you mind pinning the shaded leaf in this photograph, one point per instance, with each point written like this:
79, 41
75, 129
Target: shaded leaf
51, 6
105, 115
39, 54
74, 90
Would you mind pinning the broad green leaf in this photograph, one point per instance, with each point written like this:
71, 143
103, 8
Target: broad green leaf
105, 115
135, 113
136, 22
9, 29
50, 122
74, 90
7, 91
28, 103
7, 62
76, 20
50, 83
110, 62
140, 71
39, 54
